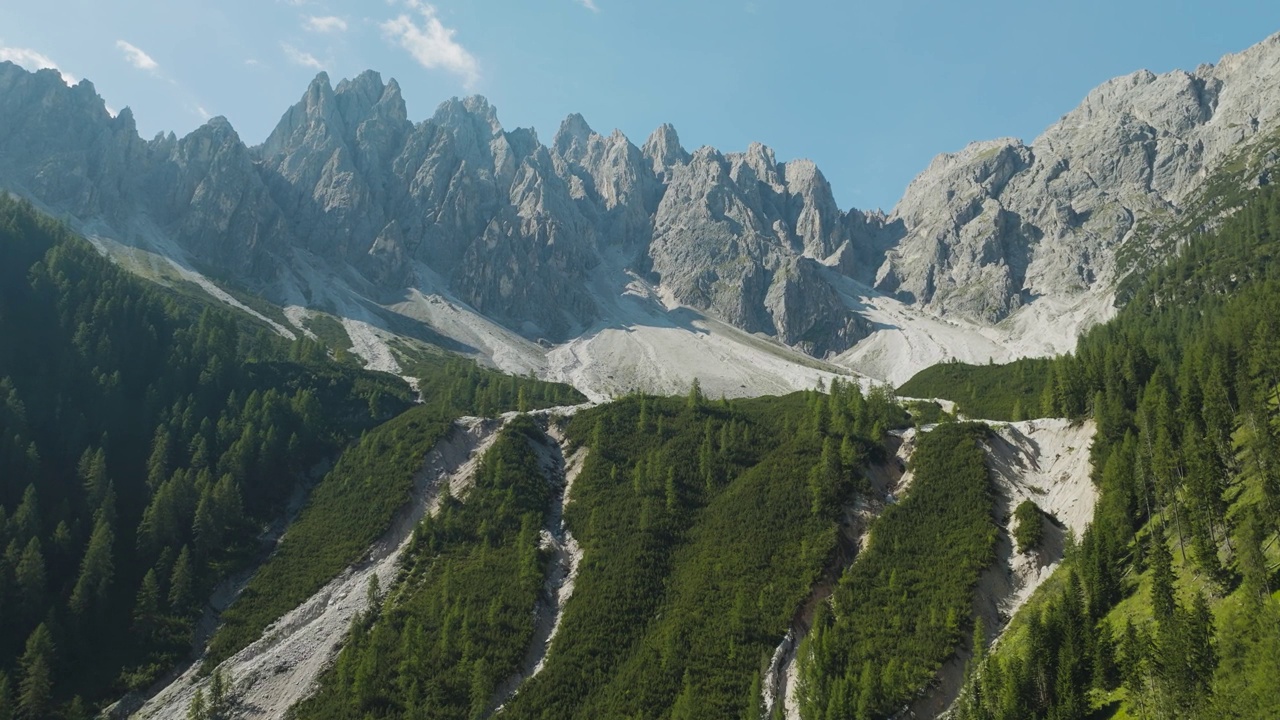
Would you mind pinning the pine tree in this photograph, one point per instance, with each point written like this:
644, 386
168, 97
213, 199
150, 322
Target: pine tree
92, 470
207, 527
755, 695
30, 577
479, 690
1134, 651
77, 710
146, 608
181, 583
219, 697
1203, 656
1251, 559
96, 570
6, 698
1163, 603
685, 707
867, 692
159, 465
198, 709
35, 694
1104, 659
25, 523
228, 504
695, 398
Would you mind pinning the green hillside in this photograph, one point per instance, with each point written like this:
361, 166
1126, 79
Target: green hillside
148, 438
145, 440
1167, 607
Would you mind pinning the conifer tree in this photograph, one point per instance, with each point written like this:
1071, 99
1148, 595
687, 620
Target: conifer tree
1163, 603
1251, 559
31, 579
695, 398
96, 570
159, 465
146, 608
181, 583
6, 698
92, 470
207, 527
198, 709
25, 523
35, 694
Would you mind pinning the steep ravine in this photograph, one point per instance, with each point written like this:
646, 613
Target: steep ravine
282, 667
1047, 462
886, 480
562, 570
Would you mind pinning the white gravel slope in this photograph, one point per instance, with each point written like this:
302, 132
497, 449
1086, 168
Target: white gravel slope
282, 667
1047, 462
907, 340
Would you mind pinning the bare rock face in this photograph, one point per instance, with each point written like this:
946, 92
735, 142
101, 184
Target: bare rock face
999, 223
741, 234
523, 231
218, 204
327, 160
808, 314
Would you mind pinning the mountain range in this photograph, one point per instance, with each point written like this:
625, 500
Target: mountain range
589, 258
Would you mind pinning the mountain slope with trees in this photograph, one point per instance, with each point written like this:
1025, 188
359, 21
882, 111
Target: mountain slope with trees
703, 525
1167, 608
144, 442
147, 441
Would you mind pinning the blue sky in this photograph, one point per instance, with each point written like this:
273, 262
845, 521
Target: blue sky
869, 90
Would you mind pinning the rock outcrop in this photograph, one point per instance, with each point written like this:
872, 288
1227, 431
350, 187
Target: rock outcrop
1000, 223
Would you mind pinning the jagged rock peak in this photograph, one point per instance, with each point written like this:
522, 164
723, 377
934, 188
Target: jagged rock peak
762, 161
319, 91
804, 172
471, 110
316, 112
663, 150
368, 84
124, 119
47, 83
366, 95
573, 137
219, 127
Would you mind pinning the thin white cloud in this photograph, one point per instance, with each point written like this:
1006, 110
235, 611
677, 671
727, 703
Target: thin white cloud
589, 4
299, 57
324, 24
32, 60
136, 57
431, 43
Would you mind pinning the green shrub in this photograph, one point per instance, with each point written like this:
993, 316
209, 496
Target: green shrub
1028, 527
